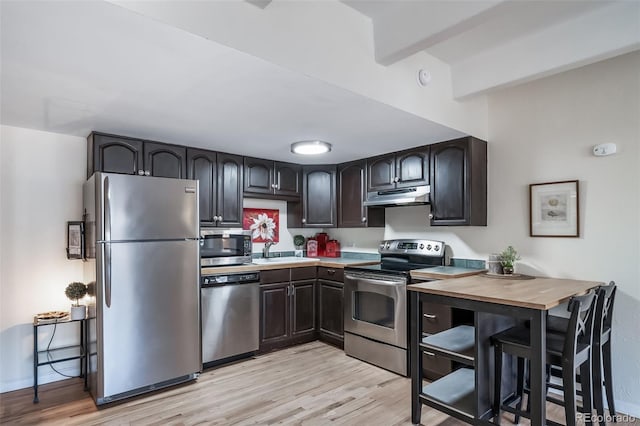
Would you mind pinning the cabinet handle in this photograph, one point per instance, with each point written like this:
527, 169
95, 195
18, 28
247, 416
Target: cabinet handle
215, 218
273, 186
364, 219
331, 271
396, 179
293, 290
430, 215
147, 173
430, 316
429, 353
141, 172
304, 220
220, 218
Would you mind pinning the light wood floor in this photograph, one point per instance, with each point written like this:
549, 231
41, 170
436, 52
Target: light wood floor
311, 384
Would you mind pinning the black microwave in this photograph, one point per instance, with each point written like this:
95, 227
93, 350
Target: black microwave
220, 247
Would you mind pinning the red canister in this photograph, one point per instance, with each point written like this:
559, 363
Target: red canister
322, 238
333, 248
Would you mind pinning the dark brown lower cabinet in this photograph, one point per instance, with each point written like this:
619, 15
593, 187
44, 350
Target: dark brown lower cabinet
331, 305
287, 308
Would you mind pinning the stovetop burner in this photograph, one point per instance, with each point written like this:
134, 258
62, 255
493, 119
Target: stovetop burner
399, 257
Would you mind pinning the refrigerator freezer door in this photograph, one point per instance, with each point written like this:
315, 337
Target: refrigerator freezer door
150, 331
139, 208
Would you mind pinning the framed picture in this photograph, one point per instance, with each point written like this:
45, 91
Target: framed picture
554, 209
264, 224
75, 240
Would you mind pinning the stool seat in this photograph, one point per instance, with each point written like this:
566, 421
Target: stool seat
519, 336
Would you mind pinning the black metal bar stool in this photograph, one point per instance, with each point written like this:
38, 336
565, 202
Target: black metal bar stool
571, 350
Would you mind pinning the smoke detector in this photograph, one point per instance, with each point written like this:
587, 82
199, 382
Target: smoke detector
424, 77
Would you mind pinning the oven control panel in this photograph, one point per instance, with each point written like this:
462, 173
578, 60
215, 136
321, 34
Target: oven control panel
418, 247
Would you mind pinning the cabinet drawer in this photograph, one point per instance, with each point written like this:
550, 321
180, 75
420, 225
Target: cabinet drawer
331, 274
274, 276
306, 273
434, 366
435, 317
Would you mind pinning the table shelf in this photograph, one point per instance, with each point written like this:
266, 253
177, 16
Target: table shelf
457, 343
453, 393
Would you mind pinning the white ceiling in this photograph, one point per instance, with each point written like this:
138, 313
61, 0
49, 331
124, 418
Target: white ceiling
73, 67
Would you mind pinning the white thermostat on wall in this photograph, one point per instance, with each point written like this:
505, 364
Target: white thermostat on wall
604, 149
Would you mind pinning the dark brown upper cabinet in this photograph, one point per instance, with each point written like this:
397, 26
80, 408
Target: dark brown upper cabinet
352, 192
114, 154
220, 177
459, 182
398, 170
118, 154
319, 205
164, 160
271, 179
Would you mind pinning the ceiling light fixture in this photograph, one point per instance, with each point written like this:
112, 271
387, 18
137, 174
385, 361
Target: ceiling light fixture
310, 147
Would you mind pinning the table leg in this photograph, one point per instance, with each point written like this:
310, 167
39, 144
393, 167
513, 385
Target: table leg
35, 364
538, 368
414, 356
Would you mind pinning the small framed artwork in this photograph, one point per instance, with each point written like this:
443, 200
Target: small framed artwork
553, 209
75, 240
264, 224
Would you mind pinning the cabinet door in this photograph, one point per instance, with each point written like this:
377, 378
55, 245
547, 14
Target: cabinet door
303, 307
201, 165
412, 167
319, 196
381, 172
114, 154
288, 179
352, 181
351, 195
229, 198
459, 182
164, 160
331, 301
274, 314
258, 176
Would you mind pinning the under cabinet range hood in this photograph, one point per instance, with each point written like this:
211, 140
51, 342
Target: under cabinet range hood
399, 197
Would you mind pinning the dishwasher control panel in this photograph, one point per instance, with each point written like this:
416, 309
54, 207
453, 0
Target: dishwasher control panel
246, 277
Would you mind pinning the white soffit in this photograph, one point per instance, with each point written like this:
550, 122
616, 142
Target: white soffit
72, 67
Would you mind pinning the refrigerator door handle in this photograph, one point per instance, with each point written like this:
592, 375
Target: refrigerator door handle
107, 274
107, 210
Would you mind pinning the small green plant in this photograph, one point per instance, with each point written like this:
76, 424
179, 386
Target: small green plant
76, 291
508, 257
298, 240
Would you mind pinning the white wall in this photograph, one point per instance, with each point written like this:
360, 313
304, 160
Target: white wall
41, 176
543, 131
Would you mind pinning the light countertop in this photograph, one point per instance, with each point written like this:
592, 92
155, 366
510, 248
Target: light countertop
536, 293
289, 262
444, 272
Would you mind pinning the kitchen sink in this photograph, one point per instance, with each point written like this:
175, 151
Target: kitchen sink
286, 259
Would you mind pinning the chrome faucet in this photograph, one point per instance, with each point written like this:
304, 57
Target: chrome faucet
265, 250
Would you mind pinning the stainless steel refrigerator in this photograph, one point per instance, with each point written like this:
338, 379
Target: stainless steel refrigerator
143, 254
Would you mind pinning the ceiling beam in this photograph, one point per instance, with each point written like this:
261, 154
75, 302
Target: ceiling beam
595, 36
424, 24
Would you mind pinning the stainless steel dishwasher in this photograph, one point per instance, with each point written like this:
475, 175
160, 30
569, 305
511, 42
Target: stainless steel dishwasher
230, 316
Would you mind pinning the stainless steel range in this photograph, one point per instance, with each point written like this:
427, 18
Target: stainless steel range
375, 308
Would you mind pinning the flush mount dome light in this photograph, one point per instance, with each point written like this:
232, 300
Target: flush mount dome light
310, 147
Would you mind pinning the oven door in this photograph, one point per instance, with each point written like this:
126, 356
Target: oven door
376, 307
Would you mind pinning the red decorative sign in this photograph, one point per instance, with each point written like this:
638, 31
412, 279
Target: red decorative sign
264, 224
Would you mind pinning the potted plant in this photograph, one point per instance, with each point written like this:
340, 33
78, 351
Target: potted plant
507, 258
76, 291
298, 242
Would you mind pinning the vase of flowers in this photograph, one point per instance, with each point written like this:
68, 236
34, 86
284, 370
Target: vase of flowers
507, 259
76, 291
